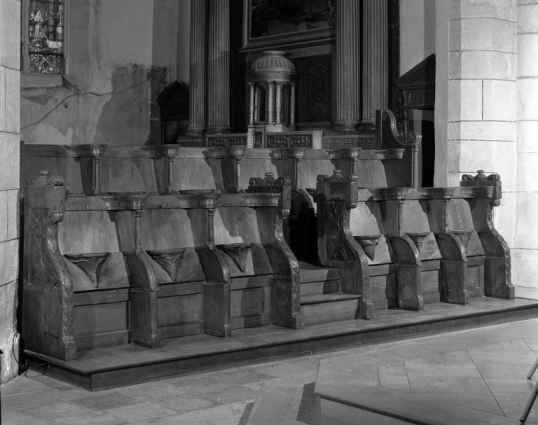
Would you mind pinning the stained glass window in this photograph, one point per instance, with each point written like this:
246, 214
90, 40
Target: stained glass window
46, 36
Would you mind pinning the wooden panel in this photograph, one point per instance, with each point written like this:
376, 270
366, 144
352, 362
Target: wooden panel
383, 252
429, 250
256, 167
430, 282
309, 169
165, 229
127, 175
325, 287
475, 278
247, 302
109, 339
381, 269
188, 270
431, 265
181, 330
236, 225
176, 289
87, 232
251, 282
182, 309
371, 173
100, 297
475, 261
329, 312
382, 287
194, 172
68, 168
249, 321
101, 318
363, 220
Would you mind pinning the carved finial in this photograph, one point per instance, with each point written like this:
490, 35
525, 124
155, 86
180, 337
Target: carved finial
45, 180
481, 176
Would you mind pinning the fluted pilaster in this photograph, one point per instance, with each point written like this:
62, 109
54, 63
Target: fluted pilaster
375, 66
198, 71
348, 89
218, 67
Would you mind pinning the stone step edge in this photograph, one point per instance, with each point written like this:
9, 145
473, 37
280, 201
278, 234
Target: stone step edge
388, 402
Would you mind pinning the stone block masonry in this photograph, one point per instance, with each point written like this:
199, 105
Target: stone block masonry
10, 11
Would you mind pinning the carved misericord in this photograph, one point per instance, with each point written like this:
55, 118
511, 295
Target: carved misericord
91, 264
169, 260
237, 252
268, 184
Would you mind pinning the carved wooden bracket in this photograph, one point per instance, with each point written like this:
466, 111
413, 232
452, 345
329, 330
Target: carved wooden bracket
91, 264
368, 244
237, 252
230, 161
418, 239
389, 135
169, 260
291, 158
89, 157
163, 160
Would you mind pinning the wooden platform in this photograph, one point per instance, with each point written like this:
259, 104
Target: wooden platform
129, 364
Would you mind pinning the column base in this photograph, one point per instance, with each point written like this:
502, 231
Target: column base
218, 130
367, 126
345, 126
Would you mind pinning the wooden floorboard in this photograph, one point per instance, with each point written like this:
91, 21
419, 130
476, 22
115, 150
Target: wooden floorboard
128, 364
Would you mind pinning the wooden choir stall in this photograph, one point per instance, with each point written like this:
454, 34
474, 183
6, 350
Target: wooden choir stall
145, 244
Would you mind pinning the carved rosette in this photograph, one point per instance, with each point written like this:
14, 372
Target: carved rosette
169, 260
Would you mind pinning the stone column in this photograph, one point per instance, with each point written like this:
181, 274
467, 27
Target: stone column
10, 95
197, 76
348, 90
218, 67
479, 71
375, 60
525, 249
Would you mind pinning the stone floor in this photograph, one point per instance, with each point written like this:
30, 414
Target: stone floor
499, 356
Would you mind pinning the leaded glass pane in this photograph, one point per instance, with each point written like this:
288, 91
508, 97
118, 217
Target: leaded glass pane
46, 36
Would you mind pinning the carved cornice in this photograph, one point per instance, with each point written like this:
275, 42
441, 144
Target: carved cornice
229, 151
87, 151
289, 140
162, 151
226, 140
131, 201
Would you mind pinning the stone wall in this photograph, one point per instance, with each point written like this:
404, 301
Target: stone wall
9, 181
480, 101
525, 248
121, 54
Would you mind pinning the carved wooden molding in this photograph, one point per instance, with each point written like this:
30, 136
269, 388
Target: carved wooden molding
221, 140
116, 201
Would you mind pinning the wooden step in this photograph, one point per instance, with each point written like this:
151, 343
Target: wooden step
318, 288
312, 273
325, 308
